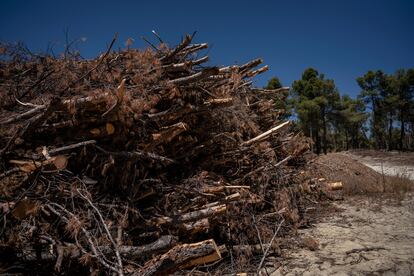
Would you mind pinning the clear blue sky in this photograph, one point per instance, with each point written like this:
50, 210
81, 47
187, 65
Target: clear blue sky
342, 39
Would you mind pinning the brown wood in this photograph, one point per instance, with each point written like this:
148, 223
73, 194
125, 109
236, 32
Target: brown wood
265, 134
191, 216
181, 257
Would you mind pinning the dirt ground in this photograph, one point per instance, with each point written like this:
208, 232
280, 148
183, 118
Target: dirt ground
389, 163
371, 236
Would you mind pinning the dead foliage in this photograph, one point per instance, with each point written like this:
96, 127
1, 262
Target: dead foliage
143, 162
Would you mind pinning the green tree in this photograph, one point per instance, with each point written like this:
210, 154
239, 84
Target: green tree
351, 119
371, 84
404, 91
313, 98
273, 83
280, 100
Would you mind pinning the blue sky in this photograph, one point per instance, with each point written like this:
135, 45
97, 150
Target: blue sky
342, 39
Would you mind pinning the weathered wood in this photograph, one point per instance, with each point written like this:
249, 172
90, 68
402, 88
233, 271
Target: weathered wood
265, 134
195, 77
163, 244
271, 91
184, 66
181, 257
227, 199
197, 227
191, 216
219, 189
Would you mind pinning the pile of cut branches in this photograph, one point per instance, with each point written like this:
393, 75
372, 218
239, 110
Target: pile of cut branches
143, 162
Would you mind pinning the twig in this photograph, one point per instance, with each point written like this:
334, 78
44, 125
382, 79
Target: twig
138, 154
150, 44
270, 245
23, 115
356, 250
35, 84
95, 67
118, 256
72, 146
9, 172
159, 38
86, 233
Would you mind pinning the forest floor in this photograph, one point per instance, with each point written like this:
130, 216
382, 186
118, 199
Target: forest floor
369, 234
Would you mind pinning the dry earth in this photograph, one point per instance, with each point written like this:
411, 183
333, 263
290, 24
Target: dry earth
369, 237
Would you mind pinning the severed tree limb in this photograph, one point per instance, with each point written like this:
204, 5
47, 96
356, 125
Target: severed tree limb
17, 117
181, 257
219, 189
191, 216
139, 154
265, 134
184, 43
249, 65
195, 77
163, 244
227, 199
184, 65
257, 72
271, 91
72, 146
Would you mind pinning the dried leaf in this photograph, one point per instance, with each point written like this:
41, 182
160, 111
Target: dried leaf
24, 208
60, 162
110, 129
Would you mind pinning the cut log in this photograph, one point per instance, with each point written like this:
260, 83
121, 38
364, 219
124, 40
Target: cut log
181, 257
335, 186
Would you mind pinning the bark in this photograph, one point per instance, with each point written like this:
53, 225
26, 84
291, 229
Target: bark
181, 257
402, 132
265, 134
390, 133
324, 131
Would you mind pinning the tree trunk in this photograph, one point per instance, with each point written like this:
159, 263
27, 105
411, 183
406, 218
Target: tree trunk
346, 140
375, 131
390, 133
317, 138
324, 131
402, 132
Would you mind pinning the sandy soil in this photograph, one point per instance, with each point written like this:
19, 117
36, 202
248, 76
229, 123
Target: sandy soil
369, 237
389, 163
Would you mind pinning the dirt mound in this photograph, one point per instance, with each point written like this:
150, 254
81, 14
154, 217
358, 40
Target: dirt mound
356, 177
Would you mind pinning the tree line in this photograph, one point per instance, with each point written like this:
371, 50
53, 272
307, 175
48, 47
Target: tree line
380, 117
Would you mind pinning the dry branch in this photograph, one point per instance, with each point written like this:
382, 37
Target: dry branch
181, 257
